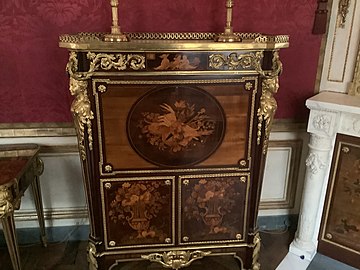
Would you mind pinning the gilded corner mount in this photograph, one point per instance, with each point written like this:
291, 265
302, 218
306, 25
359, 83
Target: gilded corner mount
6, 198
81, 110
268, 104
91, 256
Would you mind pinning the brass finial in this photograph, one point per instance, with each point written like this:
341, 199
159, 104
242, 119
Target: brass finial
228, 35
115, 35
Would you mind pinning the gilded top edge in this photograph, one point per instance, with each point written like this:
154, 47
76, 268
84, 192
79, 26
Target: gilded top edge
197, 39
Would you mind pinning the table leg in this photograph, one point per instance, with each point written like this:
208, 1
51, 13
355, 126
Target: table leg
38, 201
10, 237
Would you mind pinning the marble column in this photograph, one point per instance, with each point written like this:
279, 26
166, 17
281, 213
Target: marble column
316, 171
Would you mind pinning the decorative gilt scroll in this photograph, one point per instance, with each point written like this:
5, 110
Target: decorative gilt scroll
268, 104
235, 61
176, 259
82, 113
117, 61
72, 68
343, 10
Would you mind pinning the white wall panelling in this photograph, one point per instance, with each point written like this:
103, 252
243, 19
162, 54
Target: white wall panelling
63, 193
281, 174
341, 49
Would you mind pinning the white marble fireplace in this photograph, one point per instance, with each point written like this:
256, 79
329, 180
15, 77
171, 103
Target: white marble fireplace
332, 111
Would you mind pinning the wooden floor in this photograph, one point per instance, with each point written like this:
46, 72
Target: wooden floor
72, 255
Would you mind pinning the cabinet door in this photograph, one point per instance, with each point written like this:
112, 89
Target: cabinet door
183, 123
213, 208
138, 211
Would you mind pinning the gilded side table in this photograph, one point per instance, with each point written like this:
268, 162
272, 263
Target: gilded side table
20, 167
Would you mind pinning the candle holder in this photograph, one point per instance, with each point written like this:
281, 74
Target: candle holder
116, 35
228, 35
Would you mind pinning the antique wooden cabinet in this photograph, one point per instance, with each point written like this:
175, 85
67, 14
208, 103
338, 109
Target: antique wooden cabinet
173, 131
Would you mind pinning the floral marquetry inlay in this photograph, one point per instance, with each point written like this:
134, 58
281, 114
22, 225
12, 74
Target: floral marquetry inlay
208, 204
174, 126
178, 126
210, 201
139, 208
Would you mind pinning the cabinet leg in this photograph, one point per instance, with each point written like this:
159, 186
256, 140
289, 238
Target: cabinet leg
239, 261
38, 201
92, 256
10, 237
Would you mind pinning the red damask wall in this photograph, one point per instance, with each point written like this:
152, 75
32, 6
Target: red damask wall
33, 82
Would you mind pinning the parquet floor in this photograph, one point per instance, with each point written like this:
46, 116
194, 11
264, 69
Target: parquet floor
72, 256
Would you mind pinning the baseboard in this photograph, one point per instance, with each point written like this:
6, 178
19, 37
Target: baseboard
274, 223
323, 262
26, 236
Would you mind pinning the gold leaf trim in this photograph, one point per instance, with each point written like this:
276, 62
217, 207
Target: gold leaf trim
268, 104
235, 61
72, 68
6, 198
254, 37
354, 89
343, 10
115, 61
81, 110
91, 256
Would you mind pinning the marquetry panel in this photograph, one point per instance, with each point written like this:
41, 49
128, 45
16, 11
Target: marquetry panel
213, 208
170, 126
340, 229
138, 211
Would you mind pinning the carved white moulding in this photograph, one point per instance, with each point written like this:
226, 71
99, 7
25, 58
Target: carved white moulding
314, 163
350, 124
322, 122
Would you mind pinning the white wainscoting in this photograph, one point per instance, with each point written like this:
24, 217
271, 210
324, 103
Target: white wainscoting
63, 193
284, 171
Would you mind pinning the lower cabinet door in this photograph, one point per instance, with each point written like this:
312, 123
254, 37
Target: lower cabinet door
213, 208
138, 211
